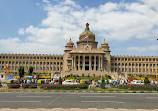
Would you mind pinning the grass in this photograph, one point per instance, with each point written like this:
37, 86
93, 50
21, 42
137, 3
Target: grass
79, 90
96, 78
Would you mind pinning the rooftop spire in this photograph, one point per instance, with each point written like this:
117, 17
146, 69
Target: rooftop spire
87, 26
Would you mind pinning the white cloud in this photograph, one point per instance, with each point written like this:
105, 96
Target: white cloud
113, 21
143, 49
21, 31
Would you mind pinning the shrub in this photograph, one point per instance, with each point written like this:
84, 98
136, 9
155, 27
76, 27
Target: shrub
29, 85
93, 75
14, 85
65, 87
102, 84
139, 87
60, 80
146, 80
82, 75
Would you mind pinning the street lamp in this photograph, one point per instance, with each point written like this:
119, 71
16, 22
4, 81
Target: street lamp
101, 75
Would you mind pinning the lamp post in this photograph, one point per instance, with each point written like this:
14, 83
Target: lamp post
101, 75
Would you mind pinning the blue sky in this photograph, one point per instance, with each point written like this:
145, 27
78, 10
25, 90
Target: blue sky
44, 26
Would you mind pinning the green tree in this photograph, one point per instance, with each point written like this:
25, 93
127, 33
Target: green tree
21, 71
140, 76
30, 70
146, 81
93, 75
102, 84
38, 75
60, 80
82, 75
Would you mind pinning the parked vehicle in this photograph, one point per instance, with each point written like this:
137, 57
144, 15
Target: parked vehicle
69, 82
12, 81
140, 82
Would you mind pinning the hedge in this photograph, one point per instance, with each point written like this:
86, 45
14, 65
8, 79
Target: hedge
139, 87
14, 85
65, 87
29, 85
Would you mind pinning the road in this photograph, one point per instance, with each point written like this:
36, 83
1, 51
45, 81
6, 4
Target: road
78, 100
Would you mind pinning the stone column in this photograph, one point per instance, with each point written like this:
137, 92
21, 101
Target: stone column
99, 63
102, 62
90, 63
94, 62
79, 62
75, 62
83, 63
72, 65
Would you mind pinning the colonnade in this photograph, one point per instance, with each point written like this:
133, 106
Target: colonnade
87, 62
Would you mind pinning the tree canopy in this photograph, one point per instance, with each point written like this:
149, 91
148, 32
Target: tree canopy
21, 71
30, 70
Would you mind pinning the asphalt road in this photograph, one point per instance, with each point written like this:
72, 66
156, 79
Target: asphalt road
78, 100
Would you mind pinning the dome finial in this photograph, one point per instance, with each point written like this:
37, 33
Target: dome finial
104, 39
70, 38
87, 26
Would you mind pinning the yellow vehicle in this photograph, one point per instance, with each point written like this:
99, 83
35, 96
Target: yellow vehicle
12, 81
42, 81
85, 81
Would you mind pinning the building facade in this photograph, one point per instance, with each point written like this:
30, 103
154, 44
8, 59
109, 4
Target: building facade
85, 59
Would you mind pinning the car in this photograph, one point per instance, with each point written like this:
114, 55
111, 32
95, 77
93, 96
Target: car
139, 82
70, 82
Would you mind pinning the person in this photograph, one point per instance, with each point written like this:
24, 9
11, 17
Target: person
156, 82
32, 80
0, 83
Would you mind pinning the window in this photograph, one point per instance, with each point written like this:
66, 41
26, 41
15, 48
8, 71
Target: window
1, 76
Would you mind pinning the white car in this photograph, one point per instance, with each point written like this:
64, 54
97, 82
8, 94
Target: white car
140, 82
69, 82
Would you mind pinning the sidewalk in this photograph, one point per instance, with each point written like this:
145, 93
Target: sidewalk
76, 109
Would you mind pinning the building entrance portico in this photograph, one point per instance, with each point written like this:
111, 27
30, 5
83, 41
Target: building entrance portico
85, 62
86, 58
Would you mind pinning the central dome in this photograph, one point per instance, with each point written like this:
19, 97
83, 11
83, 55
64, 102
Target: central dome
88, 33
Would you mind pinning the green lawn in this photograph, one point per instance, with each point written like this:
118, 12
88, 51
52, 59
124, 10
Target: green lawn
96, 78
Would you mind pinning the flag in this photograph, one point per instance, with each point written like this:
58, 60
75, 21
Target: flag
86, 37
